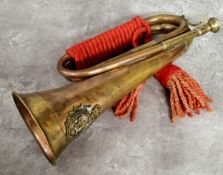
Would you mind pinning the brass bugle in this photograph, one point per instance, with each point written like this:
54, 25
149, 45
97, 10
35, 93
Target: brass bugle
55, 117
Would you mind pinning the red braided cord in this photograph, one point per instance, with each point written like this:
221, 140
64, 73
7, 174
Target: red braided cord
110, 43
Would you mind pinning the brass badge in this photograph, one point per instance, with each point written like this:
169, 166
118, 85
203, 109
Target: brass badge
80, 118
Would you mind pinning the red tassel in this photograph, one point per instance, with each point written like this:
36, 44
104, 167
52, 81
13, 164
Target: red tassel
185, 93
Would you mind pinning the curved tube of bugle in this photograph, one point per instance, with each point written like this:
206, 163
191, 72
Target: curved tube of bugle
57, 116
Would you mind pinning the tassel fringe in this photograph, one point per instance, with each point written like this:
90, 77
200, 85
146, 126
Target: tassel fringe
186, 95
128, 104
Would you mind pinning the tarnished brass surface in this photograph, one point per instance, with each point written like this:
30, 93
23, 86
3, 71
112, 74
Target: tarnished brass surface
46, 113
57, 116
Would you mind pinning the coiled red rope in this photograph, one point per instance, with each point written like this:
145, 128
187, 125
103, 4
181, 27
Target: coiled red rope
185, 93
110, 43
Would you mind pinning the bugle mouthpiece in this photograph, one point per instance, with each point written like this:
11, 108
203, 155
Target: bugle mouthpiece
214, 24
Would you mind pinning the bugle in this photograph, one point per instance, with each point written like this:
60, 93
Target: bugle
55, 117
